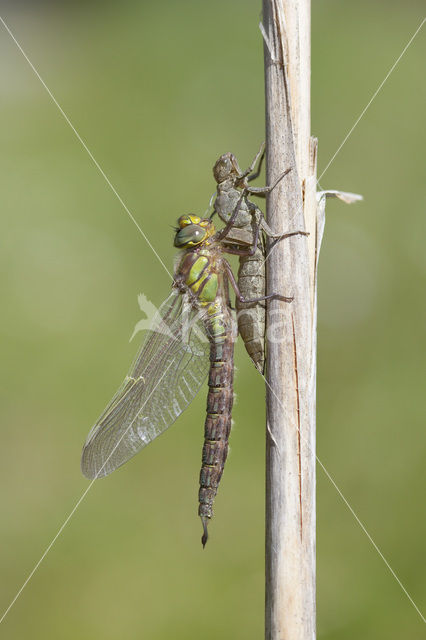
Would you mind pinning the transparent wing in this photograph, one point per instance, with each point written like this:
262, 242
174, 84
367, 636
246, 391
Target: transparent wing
166, 375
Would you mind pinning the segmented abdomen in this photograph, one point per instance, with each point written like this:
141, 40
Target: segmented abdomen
219, 407
251, 317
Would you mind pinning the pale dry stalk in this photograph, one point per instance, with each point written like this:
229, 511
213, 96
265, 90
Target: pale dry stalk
291, 359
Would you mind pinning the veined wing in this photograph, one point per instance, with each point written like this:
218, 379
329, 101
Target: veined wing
166, 375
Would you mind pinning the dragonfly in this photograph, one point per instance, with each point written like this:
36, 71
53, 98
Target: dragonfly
232, 200
191, 338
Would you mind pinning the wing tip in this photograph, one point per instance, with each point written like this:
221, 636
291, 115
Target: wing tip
88, 469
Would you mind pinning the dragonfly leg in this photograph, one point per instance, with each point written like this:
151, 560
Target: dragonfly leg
265, 227
260, 154
240, 297
179, 284
246, 252
224, 232
263, 191
228, 297
255, 174
278, 236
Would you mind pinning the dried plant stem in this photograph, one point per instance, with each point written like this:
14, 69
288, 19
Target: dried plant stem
291, 359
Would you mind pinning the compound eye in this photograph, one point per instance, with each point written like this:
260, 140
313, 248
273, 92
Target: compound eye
187, 219
183, 221
189, 235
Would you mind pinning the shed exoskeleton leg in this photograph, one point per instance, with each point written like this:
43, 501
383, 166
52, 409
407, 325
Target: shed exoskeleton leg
249, 173
234, 285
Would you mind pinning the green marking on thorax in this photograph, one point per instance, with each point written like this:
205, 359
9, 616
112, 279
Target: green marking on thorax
209, 291
196, 270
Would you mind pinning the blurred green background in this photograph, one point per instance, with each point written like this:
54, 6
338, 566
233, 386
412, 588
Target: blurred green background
158, 91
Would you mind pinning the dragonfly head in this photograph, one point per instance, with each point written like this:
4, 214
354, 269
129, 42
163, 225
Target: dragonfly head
226, 167
193, 231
